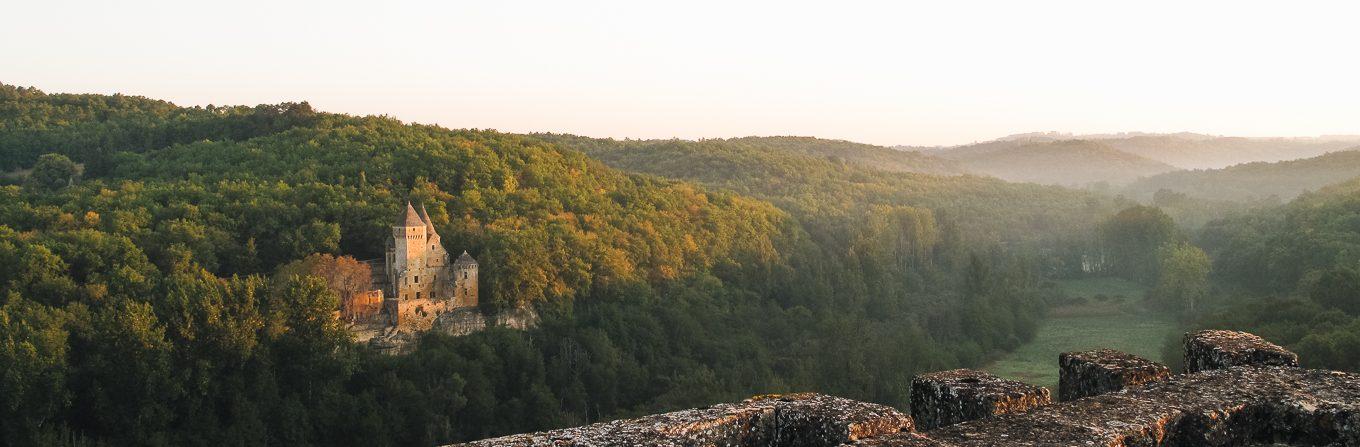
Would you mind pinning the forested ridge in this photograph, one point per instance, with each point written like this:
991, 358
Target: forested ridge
987, 210
1078, 163
1292, 274
1258, 181
140, 304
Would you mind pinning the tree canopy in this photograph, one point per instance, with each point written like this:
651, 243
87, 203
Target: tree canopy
158, 302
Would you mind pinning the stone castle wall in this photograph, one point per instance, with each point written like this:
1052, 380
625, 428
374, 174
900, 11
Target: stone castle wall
363, 306
417, 315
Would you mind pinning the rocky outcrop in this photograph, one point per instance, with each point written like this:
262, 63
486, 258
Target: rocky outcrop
1251, 403
1089, 373
460, 321
798, 420
468, 320
1229, 407
950, 397
1215, 349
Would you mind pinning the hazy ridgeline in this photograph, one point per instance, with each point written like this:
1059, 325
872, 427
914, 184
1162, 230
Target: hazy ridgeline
139, 242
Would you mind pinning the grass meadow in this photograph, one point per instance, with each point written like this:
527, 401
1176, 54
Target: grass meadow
1108, 322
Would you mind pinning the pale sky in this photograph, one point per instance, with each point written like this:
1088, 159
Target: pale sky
905, 72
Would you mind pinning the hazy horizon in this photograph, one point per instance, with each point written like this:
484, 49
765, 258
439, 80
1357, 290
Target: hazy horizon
897, 74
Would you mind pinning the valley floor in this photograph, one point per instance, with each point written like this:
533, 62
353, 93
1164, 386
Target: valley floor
1109, 323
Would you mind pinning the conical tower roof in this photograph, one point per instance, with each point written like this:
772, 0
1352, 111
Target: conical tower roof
465, 258
410, 218
425, 217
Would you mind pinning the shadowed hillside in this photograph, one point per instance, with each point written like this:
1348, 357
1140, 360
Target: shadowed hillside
1188, 150
876, 157
1203, 152
986, 209
1256, 181
1067, 162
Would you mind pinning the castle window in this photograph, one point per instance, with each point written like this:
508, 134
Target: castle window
417, 295
465, 275
417, 279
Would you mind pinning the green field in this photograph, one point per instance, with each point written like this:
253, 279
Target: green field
1109, 324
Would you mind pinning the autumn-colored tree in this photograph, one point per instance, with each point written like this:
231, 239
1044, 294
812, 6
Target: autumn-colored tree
345, 276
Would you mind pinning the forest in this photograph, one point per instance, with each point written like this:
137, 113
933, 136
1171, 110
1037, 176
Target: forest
1288, 272
149, 294
140, 243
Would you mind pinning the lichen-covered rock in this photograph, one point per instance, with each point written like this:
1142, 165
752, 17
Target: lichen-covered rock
1101, 371
809, 420
1227, 407
949, 397
1223, 405
1216, 349
796, 420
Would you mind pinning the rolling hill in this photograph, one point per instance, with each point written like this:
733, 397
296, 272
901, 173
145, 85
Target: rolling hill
1062, 162
143, 304
813, 187
1190, 151
1256, 181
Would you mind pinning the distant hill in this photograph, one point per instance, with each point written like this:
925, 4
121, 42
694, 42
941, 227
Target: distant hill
819, 190
877, 158
1188, 150
1218, 152
1255, 181
1062, 162
867, 155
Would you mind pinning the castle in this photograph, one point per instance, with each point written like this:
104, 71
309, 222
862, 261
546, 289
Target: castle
417, 279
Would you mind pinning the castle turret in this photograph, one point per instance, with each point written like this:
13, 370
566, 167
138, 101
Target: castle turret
429, 226
465, 281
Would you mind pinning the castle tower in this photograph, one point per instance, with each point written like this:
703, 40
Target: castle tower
465, 281
409, 246
436, 263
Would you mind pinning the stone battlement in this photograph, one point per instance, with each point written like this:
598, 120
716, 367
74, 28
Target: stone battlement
1104, 370
949, 397
796, 420
1242, 392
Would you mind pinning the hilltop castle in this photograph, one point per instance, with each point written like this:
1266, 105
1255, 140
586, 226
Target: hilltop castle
417, 279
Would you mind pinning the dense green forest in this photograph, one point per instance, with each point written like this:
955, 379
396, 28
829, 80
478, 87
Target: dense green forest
875, 157
1289, 273
821, 190
138, 242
